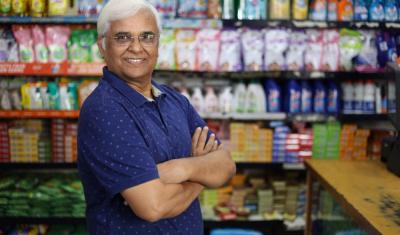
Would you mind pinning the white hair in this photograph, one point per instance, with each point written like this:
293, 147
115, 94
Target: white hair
120, 9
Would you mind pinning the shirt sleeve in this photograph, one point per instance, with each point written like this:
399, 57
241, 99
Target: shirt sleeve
114, 149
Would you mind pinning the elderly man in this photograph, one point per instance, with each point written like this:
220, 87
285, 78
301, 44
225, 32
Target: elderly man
144, 154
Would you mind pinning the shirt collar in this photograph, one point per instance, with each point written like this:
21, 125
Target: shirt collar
131, 94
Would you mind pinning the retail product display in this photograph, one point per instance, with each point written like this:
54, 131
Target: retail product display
45, 230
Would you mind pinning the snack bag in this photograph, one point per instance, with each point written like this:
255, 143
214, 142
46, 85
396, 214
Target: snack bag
279, 9
186, 49
56, 40
276, 44
192, 8
166, 59
295, 53
39, 44
229, 58
57, 7
330, 53
23, 36
350, 46
208, 41
313, 53
252, 49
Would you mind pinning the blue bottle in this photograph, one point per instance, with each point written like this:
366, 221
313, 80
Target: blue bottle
319, 97
390, 8
306, 97
360, 10
274, 96
293, 97
376, 10
333, 98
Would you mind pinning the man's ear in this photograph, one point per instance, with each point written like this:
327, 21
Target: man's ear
101, 43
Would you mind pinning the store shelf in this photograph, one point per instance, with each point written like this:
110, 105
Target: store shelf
38, 114
245, 116
33, 220
270, 166
50, 69
363, 117
37, 166
256, 224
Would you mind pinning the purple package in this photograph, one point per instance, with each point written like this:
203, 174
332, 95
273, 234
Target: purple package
252, 49
295, 53
229, 57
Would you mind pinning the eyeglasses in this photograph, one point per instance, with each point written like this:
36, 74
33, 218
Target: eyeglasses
146, 39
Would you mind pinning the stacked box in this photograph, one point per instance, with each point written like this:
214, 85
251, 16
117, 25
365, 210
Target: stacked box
332, 140
279, 143
265, 143
376, 144
23, 145
57, 140
265, 201
360, 144
301, 201
292, 193
70, 142
292, 148
347, 141
306, 144
238, 197
237, 142
4, 142
279, 188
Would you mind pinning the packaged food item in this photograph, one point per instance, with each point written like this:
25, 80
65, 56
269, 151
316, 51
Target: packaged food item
332, 10
37, 7
314, 50
350, 46
229, 56
331, 50
166, 8
208, 41
39, 44
318, 10
56, 40
192, 8
276, 44
166, 59
345, 10
19, 7
186, 49
214, 9
23, 36
57, 7
360, 10
376, 10
252, 49
300, 9
87, 7
367, 58
296, 50
279, 10
391, 12
5, 7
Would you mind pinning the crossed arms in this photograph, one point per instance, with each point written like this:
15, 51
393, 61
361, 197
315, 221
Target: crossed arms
182, 180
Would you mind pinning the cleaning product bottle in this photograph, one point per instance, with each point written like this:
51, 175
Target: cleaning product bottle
358, 97
262, 106
319, 97
391, 13
240, 98
210, 101
226, 100
185, 93
198, 100
369, 97
376, 10
332, 10
306, 97
273, 93
360, 10
300, 9
333, 98
255, 98
318, 10
293, 99
345, 10
348, 97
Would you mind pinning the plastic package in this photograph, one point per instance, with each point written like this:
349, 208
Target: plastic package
360, 10
276, 44
56, 40
313, 53
331, 51
391, 12
300, 9
80, 46
87, 7
386, 46
39, 44
226, 100
295, 53
5, 7
345, 10
333, 6
186, 49
376, 10
367, 58
166, 59
166, 8
8, 46
57, 7
350, 46
252, 49
24, 38
255, 98
214, 9
229, 57
192, 8
318, 10
19, 7
279, 9
208, 41
37, 8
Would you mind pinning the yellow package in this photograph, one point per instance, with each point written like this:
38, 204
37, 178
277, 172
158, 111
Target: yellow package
25, 98
279, 10
300, 9
57, 7
37, 7
19, 7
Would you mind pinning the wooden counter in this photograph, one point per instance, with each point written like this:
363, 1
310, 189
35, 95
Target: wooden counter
366, 190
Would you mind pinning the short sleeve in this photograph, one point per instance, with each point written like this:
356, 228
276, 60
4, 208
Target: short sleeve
114, 149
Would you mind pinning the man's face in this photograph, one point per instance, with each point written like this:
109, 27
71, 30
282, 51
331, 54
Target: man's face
132, 60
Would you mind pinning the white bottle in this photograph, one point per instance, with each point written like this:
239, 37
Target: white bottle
358, 97
378, 99
185, 93
255, 98
226, 100
348, 97
198, 100
369, 97
211, 101
240, 98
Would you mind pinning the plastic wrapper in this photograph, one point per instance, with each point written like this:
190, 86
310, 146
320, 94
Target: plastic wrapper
331, 51
279, 10
360, 10
296, 50
192, 8
166, 8
56, 40
80, 46
39, 44
23, 36
367, 58
214, 9
350, 46
276, 44
229, 57
376, 10
313, 53
186, 49
208, 42
252, 49
166, 59
8, 46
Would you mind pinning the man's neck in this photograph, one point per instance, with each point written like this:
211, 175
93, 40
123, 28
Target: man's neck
144, 89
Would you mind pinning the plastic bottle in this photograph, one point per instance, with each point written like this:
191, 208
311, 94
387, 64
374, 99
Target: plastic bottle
293, 97
255, 98
240, 98
358, 97
391, 13
348, 97
211, 101
332, 10
360, 10
273, 93
369, 97
319, 97
345, 10
318, 10
376, 10
306, 97
226, 100
185, 93
333, 98
198, 100
378, 99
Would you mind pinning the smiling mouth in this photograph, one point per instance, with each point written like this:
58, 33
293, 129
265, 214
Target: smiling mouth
134, 60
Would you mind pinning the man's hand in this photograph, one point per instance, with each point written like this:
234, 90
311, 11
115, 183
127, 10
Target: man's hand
200, 145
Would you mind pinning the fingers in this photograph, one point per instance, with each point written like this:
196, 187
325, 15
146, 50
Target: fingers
215, 146
210, 143
220, 147
196, 136
203, 138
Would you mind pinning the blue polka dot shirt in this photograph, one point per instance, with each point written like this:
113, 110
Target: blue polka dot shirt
122, 136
